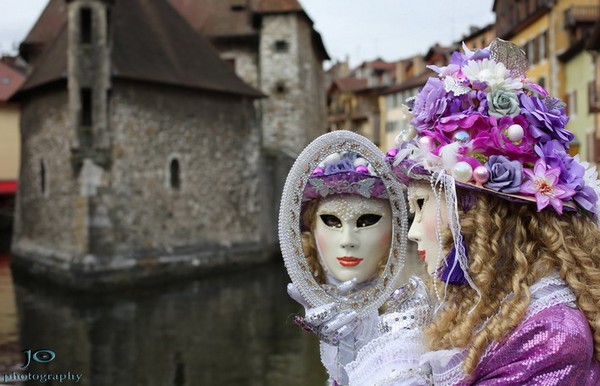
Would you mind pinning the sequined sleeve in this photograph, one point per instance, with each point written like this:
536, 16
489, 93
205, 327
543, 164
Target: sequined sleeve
553, 347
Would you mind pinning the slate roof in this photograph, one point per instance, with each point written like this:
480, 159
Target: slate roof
217, 19
409, 83
351, 84
152, 43
46, 28
277, 6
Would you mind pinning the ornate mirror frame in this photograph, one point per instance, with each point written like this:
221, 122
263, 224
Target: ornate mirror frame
289, 221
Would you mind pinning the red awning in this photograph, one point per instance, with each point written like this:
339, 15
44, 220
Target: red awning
8, 187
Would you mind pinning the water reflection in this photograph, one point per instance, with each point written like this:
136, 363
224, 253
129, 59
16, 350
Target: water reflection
233, 329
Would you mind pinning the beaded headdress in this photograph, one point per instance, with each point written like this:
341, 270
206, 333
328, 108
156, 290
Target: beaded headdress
487, 126
480, 124
344, 173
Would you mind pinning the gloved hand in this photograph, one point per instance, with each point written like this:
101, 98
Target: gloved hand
343, 332
329, 322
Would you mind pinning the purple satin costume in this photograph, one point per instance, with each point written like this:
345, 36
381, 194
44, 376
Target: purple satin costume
553, 347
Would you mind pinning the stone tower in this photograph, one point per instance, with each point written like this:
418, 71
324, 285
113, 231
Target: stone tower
141, 152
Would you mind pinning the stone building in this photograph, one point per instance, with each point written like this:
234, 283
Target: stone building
141, 150
273, 46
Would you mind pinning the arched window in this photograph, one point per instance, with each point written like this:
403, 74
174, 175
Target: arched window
43, 187
85, 25
174, 174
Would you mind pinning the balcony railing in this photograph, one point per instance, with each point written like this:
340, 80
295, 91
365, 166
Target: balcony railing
581, 13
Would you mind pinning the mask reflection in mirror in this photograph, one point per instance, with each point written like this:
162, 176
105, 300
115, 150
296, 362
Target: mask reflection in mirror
422, 202
349, 237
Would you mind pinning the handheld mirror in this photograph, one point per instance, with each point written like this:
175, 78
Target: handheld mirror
343, 197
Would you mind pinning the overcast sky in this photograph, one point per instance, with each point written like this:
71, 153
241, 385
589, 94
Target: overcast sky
359, 29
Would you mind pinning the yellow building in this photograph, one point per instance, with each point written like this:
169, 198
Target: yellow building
551, 34
10, 81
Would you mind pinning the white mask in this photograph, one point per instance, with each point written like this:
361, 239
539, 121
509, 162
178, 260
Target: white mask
423, 204
353, 235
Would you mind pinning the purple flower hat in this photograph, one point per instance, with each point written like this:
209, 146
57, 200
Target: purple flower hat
344, 173
491, 129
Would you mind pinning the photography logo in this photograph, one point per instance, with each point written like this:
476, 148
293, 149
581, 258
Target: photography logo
39, 356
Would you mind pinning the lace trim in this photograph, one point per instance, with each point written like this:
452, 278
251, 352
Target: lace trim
447, 366
388, 356
407, 378
548, 292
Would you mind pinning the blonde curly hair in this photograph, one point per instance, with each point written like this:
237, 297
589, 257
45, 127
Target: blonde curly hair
510, 247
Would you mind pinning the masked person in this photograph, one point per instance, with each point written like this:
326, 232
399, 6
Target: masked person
506, 222
347, 233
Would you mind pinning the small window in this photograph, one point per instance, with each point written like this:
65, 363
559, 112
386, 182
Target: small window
280, 87
238, 8
281, 46
174, 174
86, 107
85, 23
5, 80
42, 178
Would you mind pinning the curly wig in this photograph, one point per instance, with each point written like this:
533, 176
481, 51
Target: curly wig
510, 247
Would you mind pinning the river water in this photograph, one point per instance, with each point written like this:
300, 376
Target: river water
233, 329
230, 329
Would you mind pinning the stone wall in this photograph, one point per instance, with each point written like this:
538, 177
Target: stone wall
49, 221
293, 114
246, 62
96, 226
215, 140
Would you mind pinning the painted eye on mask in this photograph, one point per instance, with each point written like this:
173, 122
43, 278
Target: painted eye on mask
366, 220
331, 221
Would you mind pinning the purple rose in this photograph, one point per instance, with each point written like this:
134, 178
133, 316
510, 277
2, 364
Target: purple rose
469, 103
430, 103
556, 156
343, 165
546, 122
505, 175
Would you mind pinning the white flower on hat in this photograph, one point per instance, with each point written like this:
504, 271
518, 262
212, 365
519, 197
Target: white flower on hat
496, 75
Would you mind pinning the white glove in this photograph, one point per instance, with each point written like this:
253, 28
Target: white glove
342, 331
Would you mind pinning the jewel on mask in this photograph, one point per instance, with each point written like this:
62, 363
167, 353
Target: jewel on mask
461, 136
462, 171
318, 171
481, 175
515, 133
362, 169
392, 152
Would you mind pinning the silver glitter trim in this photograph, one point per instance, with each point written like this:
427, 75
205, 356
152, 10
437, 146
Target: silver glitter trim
289, 222
511, 55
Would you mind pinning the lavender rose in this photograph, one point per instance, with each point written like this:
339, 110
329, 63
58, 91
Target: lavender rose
503, 103
505, 175
547, 120
429, 104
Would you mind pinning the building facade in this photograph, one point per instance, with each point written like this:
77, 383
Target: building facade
136, 166
274, 47
553, 33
